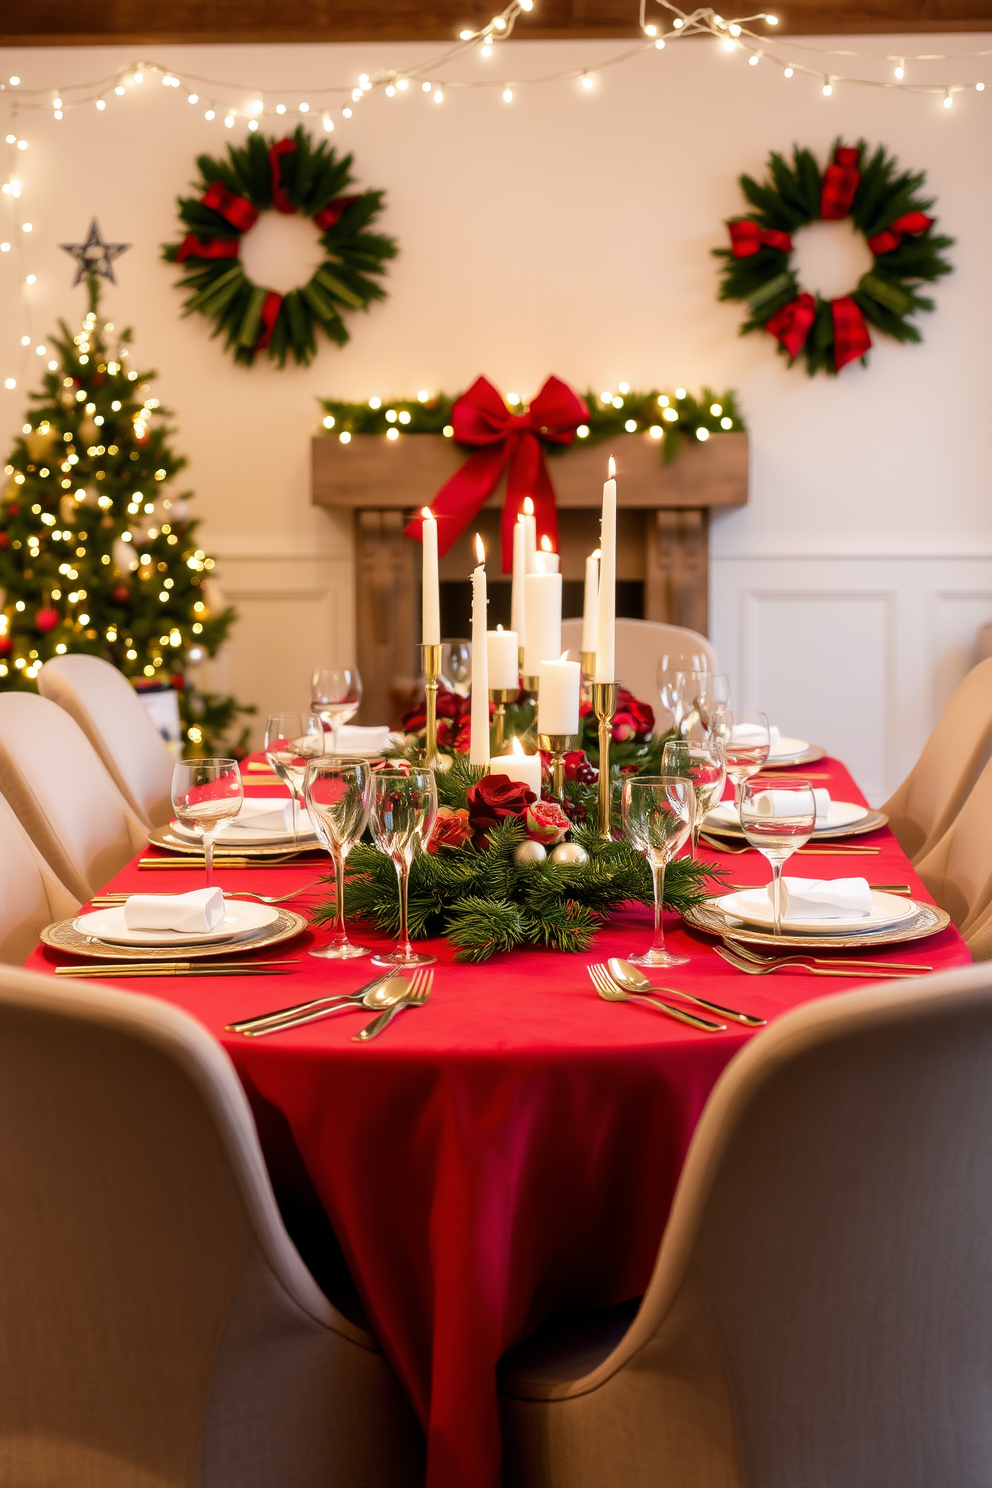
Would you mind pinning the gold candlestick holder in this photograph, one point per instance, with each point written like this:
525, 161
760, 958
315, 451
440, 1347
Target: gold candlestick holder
430, 657
501, 696
557, 745
604, 702
530, 684
588, 663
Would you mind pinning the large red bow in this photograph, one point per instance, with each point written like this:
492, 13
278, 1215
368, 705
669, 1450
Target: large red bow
891, 237
746, 237
480, 417
194, 247
792, 324
841, 180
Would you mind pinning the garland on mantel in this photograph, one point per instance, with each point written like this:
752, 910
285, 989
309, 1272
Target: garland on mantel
667, 416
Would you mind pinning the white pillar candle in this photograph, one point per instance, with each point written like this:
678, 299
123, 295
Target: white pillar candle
606, 665
590, 604
504, 661
479, 742
530, 534
518, 604
519, 766
430, 630
549, 557
543, 642
558, 697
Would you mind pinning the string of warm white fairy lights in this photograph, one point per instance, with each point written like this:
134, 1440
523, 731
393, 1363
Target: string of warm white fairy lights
227, 101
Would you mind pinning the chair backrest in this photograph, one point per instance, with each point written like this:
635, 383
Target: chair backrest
958, 868
66, 801
953, 757
640, 646
157, 1327
823, 1293
110, 714
31, 897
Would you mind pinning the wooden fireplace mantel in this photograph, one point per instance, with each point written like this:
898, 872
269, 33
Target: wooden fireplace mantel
662, 529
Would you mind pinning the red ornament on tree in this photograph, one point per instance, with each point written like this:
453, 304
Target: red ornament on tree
5, 645
121, 594
4, 539
46, 620
13, 510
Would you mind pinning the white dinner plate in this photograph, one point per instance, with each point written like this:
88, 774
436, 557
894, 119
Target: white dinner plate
754, 907
787, 748
241, 917
235, 836
841, 814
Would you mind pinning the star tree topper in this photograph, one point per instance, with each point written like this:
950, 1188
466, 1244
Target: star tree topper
94, 256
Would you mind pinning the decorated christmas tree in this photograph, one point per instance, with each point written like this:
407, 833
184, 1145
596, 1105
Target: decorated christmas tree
98, 552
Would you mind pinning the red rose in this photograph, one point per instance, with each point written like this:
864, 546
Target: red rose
624, 727
450, 705
492, 800
640, 715
578, 767
545, 822
451, 829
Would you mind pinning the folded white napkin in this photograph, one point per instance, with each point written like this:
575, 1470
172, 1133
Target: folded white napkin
824, 898
355, 739
264, 814
776, 802
744, 731
196, 912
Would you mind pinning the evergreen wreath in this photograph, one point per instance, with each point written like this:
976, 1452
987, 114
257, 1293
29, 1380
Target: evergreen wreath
290, 175
886, 206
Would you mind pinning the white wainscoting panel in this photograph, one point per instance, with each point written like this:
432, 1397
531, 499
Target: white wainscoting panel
859, 654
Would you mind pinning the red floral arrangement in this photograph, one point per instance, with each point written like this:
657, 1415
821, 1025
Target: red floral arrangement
454, 720
632, 722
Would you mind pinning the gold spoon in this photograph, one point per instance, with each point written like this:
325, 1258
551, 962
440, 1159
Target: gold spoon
634, 981
385, 994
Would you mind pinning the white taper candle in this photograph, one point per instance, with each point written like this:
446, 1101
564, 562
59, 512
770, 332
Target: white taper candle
590, 605
606, 664
518, 603
479, 742
543, 620
430, 630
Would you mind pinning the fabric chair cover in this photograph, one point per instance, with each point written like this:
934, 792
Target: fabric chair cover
31, 897
820, 1315
157, 1327
934, 791
66, 801
958, 869
110, 714
640, 646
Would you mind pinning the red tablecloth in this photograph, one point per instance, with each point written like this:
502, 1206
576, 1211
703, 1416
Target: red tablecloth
513, 1146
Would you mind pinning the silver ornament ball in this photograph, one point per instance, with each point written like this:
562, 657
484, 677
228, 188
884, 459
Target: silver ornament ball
569, 853
529, 853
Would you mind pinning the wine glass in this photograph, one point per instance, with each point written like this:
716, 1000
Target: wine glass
673, 680
747, 746
712, 700
291, 739
777, 818
658, 812
335, 695
206, 793
402, 816
704, 762
456, 666
337, 794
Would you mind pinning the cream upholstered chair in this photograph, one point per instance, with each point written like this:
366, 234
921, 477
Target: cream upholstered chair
640, 646
31, 897
934, 791
820, 1315
66, 801
958, 869
107, 709
157, 1327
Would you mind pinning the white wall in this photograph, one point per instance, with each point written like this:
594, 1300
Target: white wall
570, 232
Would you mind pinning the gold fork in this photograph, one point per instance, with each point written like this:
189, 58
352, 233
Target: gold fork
748, 954
111, 901
420, 990
786, 964
610, 991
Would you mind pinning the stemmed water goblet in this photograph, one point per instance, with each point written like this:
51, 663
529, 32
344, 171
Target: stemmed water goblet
456, 666
291, 741
402, 815
337, 795
747, 745
777, 818
658, 812
335, 695
704, 762
206, 793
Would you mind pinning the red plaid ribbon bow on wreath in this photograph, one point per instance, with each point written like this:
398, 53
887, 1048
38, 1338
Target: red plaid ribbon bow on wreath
884, 205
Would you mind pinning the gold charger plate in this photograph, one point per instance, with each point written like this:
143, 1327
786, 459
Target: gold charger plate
869, 823
927, 921
805, 757
63, 936
169, 842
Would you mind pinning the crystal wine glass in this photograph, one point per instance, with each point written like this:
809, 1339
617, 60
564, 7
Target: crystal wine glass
456, 666
337, 793
206, 793
335, 695
704, 762
291, 740
402, 816
658, 812
712, 701
673, 681
777, 817
748, 743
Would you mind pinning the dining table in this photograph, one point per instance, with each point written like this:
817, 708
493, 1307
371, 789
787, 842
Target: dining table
511, 1148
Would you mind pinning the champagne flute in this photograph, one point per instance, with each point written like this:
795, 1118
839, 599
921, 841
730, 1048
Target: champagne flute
206, 793
704, 762
747, 746
658, 812
777, 818
291, 740
337, 794
335, 694
402, 816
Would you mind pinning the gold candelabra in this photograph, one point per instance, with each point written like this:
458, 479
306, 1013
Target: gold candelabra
431, 662
604, 702
557, 745
501, 696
